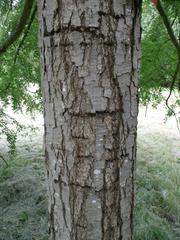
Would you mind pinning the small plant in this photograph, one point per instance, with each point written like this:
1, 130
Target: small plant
10, 127
23, 217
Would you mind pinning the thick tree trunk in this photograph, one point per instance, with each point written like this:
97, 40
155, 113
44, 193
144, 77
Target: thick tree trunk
90, 59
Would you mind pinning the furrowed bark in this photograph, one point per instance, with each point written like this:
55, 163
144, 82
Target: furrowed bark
90, 61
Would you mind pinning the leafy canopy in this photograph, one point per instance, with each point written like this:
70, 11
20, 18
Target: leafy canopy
159, 56
20, 63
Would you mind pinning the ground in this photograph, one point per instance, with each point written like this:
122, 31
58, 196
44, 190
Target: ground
157, 211
23, 202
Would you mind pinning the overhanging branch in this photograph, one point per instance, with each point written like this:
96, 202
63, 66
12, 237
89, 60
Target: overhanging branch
14, 35
168, 26
176, 43
174, 40
26, 31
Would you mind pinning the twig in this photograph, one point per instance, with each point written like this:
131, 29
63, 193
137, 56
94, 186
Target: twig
4, 160
172, 83
7, 14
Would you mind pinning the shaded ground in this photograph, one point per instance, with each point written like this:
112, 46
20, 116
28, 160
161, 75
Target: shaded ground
23, 206
23, 203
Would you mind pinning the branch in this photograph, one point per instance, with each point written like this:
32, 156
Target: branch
26, 32
168, 26
4, 160
172, 85
19, 27
176, 43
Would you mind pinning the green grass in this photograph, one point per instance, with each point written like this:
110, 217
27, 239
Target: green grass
157, 210
23, 208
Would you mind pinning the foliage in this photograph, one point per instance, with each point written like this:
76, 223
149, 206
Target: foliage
159, 56
10, 128
19, 68
23, 216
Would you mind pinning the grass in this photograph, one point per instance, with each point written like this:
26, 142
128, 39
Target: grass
157, 211
23, 209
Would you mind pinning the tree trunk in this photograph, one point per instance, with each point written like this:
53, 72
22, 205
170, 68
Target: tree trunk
90, 59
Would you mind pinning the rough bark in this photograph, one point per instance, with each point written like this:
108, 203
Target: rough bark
90, 60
